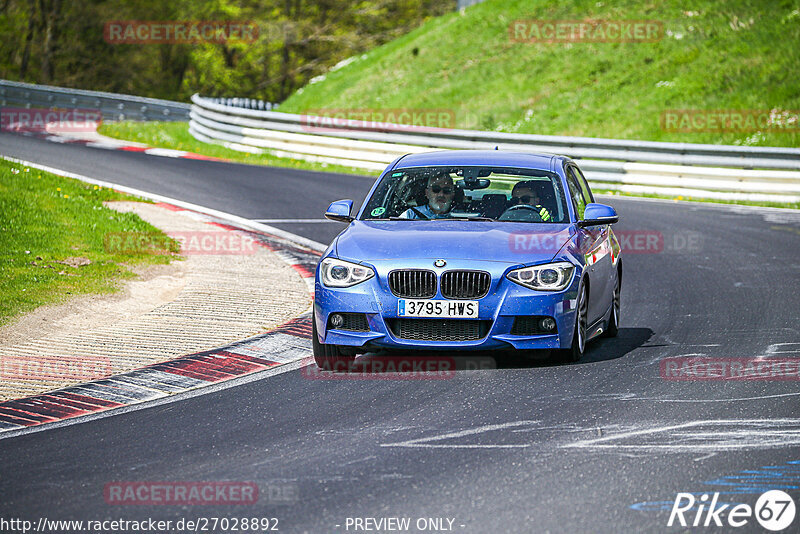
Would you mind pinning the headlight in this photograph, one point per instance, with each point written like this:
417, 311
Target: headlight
340, 273
547, 277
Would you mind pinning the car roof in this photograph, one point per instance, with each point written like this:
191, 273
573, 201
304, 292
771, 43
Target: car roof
498, 158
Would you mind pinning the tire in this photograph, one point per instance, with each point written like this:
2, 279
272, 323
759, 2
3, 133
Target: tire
575, 352
328, 357
613, 320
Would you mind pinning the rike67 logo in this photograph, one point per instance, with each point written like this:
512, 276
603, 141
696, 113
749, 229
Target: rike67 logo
774, 511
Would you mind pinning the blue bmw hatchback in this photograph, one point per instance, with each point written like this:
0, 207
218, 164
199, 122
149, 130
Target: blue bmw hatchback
469, 250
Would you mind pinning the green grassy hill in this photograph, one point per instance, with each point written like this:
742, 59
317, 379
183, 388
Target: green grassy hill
714, 55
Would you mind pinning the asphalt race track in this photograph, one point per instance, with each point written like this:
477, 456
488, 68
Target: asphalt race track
601, 446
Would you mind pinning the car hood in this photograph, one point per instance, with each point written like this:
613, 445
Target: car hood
496, 241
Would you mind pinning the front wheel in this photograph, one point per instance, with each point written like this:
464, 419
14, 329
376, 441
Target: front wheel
575, 352
328, 357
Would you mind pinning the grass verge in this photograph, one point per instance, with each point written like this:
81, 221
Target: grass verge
52, 233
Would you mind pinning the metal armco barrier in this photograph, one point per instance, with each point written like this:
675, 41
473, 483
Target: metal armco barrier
704, 171
114, 107
697, 170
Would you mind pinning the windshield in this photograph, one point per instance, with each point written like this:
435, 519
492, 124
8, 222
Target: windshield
468, 193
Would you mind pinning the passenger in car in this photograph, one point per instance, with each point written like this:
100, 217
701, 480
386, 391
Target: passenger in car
530, 192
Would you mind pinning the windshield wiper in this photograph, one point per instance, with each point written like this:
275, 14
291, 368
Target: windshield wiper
437, 219
470, 219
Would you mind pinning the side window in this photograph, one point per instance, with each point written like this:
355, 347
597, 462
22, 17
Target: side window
575, 192
587, 193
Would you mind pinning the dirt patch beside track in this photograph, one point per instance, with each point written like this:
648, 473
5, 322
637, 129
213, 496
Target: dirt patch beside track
211, 298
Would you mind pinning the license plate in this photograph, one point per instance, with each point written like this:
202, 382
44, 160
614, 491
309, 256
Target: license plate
454, 309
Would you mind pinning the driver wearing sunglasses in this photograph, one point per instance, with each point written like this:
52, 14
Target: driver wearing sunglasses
524, 193
440, 193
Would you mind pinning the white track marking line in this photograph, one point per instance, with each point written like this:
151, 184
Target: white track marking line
627, 397
774, 348
165, 152
104, 146
423, 442
764, 436
287, 221
624, 435
738, 399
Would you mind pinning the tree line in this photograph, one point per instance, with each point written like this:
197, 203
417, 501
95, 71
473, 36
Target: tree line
67, 43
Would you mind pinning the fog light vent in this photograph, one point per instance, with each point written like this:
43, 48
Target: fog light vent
532, 325
354, 322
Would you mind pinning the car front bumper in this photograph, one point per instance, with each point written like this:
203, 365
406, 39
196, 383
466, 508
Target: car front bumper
505, 301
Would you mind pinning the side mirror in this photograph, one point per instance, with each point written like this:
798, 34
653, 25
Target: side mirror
340, 211
597, 214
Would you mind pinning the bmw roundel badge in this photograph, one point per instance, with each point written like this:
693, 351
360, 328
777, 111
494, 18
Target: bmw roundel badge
439, 263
